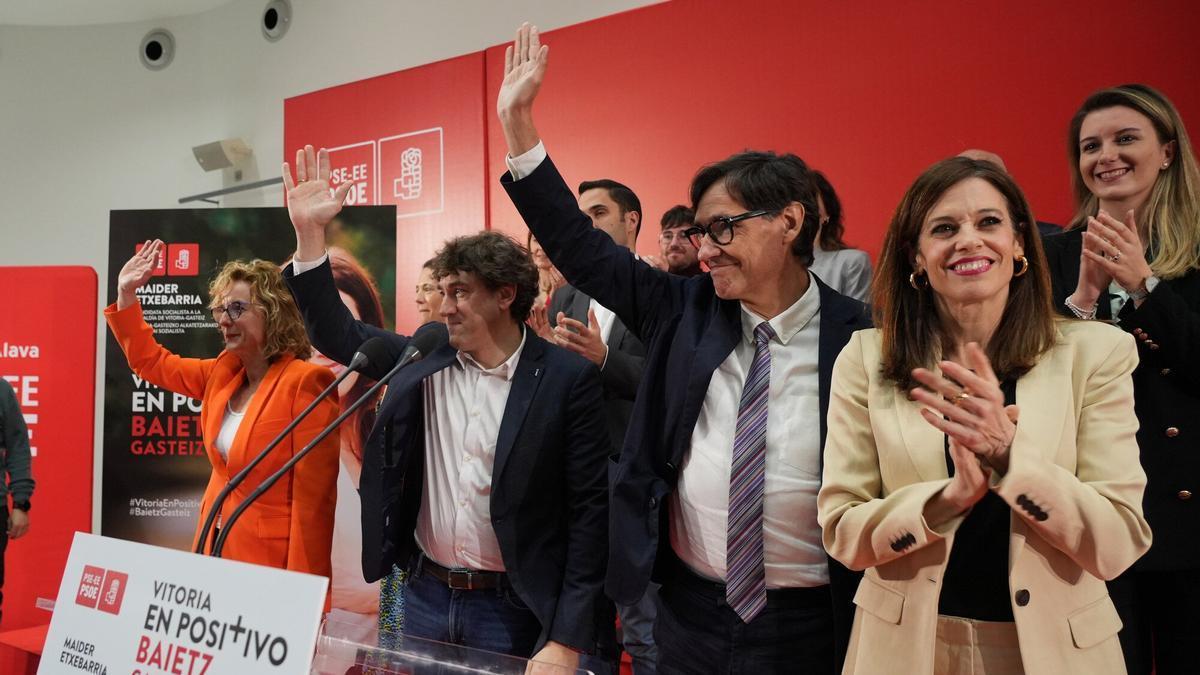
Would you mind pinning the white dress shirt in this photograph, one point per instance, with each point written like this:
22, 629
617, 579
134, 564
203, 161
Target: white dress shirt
464, 404
699, 507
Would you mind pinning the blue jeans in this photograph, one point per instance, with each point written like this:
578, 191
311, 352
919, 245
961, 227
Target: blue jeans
494, 620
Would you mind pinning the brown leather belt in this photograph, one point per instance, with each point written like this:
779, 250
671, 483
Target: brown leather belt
464, 580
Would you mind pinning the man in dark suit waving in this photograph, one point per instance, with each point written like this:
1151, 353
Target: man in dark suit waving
485, 473
715, 490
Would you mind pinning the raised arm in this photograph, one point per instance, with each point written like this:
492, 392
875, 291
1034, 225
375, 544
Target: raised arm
589, 259
148, 359
312, 204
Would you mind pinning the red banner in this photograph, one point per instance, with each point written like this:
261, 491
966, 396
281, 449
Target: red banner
414, 139
48, 354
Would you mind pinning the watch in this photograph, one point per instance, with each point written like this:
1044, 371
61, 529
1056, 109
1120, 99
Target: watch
1147, 286
22, 506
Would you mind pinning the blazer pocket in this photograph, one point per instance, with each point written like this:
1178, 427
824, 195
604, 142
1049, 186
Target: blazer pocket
1094, 623
879, 600
274, 527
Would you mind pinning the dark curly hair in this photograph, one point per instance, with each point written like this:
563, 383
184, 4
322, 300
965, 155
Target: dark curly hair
497, 260
765, 180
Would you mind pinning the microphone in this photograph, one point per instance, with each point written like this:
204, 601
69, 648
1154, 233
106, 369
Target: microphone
425, 340
373, 352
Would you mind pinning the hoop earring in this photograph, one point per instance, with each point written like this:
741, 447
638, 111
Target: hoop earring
1024, 266
912, 281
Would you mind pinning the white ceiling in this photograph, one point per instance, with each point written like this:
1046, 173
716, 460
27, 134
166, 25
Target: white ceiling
92, 12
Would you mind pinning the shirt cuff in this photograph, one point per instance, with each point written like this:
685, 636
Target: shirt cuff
301, 266
524, 164
605, 361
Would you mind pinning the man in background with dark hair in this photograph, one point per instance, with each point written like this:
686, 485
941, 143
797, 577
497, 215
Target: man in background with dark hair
714, 494
589, 328
679, 256
485, 474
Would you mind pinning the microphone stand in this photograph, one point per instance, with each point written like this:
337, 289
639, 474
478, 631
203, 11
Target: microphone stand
215, 508
219, 544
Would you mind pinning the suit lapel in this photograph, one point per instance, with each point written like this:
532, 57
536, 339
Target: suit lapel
837, 322
237, 453
578, 305
524, 385
411, 375
925, 444
215, 407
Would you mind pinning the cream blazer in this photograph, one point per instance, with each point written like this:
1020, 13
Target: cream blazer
1074, 484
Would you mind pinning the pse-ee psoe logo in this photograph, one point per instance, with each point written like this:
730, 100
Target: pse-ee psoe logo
177, 260
102, 589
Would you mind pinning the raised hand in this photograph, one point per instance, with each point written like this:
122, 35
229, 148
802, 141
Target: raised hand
524, 69
584, 340
967, 405
1115, 248
311, 202
539, 321
137, 271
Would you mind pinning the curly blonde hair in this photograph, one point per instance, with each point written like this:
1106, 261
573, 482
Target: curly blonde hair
285, 329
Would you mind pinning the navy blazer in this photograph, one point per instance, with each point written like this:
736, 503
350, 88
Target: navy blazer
622, 371
688, 332
548, 502
1166, 387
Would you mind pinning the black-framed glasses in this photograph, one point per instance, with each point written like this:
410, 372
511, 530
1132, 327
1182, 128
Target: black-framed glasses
234, 309
720, 230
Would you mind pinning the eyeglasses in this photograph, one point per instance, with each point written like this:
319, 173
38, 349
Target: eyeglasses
234, 309
720, 230
669, 236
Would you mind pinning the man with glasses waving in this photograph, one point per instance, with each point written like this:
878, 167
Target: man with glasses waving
714, 494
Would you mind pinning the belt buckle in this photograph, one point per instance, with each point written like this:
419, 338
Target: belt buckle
460, 580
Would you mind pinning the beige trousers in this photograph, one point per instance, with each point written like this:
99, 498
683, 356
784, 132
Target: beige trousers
969, 647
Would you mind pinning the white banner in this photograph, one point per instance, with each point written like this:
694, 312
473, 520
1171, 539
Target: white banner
135, 609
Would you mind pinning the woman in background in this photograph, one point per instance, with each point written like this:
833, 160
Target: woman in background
985, 542
355, 602
1132, 256
844, 269
549, 280
258, 384
428, 297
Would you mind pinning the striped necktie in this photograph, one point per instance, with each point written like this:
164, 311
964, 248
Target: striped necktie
746, 583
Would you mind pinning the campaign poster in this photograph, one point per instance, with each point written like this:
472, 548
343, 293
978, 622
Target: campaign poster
155, 465
48, 355
124, 607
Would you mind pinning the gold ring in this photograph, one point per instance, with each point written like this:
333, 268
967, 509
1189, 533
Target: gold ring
962, 396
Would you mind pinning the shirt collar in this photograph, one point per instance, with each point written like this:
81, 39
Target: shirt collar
788, 322
505, 370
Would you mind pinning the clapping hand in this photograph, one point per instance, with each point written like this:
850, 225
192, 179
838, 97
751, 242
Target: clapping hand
968, 406
137, 271
1115, 248
311, 202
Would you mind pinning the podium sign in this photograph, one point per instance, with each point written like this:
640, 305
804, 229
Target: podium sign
125, 607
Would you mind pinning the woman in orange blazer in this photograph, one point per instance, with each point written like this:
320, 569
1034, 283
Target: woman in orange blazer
250, 392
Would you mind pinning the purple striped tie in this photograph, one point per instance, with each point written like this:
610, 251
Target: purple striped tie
746, 583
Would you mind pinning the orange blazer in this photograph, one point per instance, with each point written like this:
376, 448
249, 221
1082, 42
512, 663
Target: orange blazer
291, 525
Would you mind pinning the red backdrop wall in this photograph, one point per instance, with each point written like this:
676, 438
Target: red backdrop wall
437, 109
870, 93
